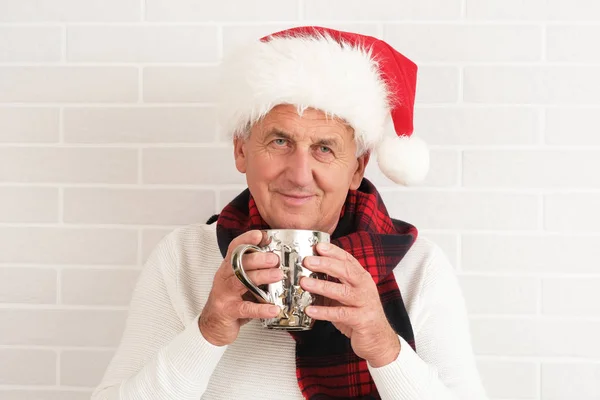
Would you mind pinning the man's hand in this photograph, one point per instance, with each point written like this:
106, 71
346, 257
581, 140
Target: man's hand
355, 309
225, 311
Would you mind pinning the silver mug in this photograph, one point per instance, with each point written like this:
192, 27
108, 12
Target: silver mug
291, 245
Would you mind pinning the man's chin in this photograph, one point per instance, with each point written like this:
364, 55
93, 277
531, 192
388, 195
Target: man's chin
295, 222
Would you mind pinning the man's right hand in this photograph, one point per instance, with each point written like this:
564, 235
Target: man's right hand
225, 311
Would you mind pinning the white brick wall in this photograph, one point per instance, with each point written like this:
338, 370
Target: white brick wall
108, 140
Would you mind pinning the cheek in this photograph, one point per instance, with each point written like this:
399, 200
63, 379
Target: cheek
334, 183
264, 167
332, 177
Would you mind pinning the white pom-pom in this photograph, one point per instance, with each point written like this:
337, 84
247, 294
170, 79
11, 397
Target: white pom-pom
403, 159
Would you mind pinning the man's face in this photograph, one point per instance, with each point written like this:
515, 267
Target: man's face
299, 168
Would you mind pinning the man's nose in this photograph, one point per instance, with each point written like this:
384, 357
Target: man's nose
299, 167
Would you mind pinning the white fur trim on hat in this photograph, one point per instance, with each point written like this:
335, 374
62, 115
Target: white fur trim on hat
313, 71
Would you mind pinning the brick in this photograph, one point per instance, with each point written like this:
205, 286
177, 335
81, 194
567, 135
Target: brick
538, 10
138, 206
574, 212
506, 9
448, 242
509, 379
466, 43
142, 43
150, 239
30, 44
571, 296
477, 125
29, 125
225, 196
27, 285
464, 210
531, 168
500, 295
94, 328
572, 43
190, 166
70, 11
560, 378
560, 123
44, 395
140, 125
443, 171
437, 85
83, 368
180, 84
68, 165
535, 337
531, 84
576, 10
531, 253
68, 246
239, 35
97, 286
227, 10
333, 10
68, 84
23, 204
27, 367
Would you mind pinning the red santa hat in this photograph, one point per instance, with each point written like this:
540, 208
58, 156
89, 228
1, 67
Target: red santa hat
357, 78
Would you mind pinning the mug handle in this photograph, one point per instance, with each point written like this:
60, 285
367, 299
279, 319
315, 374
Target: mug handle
238, 270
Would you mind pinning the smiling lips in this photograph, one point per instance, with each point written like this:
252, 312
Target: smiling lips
296, 199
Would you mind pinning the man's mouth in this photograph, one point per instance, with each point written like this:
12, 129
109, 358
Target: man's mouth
296, 199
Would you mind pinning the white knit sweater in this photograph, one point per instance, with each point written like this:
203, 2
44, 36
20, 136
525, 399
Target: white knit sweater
163, 355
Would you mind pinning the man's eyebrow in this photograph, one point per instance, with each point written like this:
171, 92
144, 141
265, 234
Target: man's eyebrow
280, 133
331, 141
328, 142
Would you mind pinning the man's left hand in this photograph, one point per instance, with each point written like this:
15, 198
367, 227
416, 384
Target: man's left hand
355, 309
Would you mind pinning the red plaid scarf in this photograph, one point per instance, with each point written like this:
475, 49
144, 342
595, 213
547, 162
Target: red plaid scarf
326, 366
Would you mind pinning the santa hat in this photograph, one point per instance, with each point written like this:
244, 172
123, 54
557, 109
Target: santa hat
357, 78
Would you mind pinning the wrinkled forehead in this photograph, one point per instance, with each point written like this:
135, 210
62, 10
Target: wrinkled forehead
297, 122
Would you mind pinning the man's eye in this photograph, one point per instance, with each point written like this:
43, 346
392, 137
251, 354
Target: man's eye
324, 149
280, 142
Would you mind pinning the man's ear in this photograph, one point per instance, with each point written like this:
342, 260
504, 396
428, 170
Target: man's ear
359, 173
239, 153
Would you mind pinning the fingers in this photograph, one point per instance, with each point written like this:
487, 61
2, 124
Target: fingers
258, 277
345, 315
248, 310
252, 259
259, 260
254, 237
331, 250
348, 272
260, 268
344, 294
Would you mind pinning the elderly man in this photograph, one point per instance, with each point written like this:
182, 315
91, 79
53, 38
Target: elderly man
306, 107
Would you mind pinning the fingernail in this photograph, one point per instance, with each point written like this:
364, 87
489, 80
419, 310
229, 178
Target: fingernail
308, 282
324, 246
311, 311
272, 258
313, 260
274, 310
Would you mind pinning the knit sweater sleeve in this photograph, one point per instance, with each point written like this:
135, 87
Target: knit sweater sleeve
443, 368
159, 357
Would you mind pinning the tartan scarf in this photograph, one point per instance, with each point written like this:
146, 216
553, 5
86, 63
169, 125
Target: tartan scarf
326, 366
